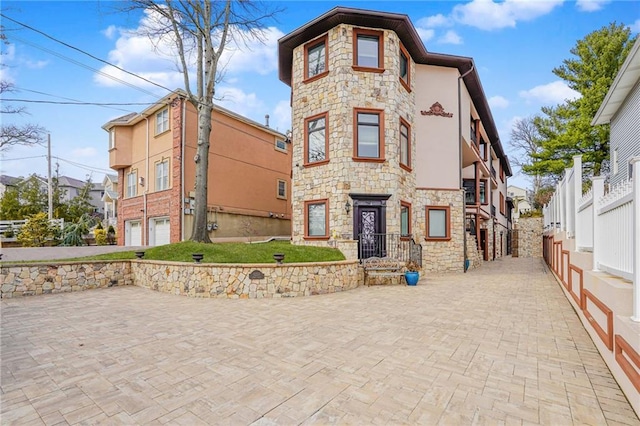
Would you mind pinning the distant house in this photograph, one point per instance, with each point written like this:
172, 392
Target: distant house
248, 193
621, 108
521, 199
7, 181
109, 198
71, 188
391, 140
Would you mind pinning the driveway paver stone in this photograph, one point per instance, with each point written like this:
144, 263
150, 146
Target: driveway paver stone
499, 345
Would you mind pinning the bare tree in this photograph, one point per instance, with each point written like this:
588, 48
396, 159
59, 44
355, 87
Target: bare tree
15, 134
525, 140
200, 30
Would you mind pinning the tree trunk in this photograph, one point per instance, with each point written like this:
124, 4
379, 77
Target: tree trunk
199, 232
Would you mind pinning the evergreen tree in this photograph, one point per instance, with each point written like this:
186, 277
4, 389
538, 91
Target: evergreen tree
565, 130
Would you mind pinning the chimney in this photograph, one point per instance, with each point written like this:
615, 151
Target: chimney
266, 119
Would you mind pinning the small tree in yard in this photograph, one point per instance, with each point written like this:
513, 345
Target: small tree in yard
36, 231
200, 30
73, 234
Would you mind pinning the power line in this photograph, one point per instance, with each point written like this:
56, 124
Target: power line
23, 158
83, 166
80, 64
36, 101
84, 52
22, 89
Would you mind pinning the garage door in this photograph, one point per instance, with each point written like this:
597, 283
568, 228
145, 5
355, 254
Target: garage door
161, 232
135, 233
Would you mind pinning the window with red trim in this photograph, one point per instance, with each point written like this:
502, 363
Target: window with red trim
316, 219
438, 220
368, 50
405, 145
316, 59
368, 135
316, 140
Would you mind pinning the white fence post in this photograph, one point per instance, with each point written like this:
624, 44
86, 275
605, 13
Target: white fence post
577, 191
635, 164
598, 193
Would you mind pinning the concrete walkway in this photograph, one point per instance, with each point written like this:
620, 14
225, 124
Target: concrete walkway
499, 345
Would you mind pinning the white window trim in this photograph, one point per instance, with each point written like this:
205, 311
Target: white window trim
161, 121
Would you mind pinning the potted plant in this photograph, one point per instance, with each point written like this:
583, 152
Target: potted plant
412, 274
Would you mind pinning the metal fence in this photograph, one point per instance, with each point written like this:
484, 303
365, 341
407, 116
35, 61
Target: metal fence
393, 246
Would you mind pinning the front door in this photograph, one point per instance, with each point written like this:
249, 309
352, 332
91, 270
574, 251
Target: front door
369, 226
483, 244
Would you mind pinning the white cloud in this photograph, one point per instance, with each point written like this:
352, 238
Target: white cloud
110, 32
498, 102
450, 37
157, 60
425, 34
591, 5
490, 15
259, 56
434, 21
245, 104
551, 93
36, 65
282, 116
635, 27
84, 153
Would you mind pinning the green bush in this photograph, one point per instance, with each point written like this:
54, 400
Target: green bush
74, 232
100, 236
9, 233
36, 231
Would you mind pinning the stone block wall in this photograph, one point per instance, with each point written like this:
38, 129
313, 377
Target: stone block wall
530, 231
446, 255
246, 281
337, 94
33, 279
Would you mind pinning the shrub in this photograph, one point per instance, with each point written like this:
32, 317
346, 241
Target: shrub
74, 232
110, 230
101, 236
36, 231
9, 233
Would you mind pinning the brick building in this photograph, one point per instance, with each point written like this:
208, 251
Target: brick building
153, 154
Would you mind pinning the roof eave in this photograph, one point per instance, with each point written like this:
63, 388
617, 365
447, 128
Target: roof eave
630, 71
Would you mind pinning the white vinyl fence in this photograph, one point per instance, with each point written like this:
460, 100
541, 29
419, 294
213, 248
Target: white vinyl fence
15, 225
606, 224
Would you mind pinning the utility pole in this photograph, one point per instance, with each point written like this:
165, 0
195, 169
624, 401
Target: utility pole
50, 183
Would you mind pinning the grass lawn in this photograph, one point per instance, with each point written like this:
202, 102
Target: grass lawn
230, 253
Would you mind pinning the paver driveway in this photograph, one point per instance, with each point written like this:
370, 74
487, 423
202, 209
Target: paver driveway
499, 345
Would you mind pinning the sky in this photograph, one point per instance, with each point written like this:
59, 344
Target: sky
515, 45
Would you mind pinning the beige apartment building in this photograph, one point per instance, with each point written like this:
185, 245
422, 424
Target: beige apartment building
153, 153
390, 139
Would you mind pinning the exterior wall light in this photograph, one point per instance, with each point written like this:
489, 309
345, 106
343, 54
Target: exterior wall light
347, 207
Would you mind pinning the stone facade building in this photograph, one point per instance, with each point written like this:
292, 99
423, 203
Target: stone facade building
388, 138
153, 152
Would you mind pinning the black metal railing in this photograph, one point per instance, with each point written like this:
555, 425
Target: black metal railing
389, 245
493, 171
493, 211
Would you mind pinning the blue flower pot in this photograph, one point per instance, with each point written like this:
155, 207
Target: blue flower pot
412, 277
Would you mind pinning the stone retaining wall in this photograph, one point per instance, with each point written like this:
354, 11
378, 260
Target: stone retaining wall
246, 281
31, 279
205, 280
529, 237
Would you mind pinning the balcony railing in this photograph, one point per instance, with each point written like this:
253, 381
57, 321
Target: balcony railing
389, 245
493, 211
493, 171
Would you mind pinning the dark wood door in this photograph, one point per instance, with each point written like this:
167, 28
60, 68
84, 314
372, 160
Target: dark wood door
483, 244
